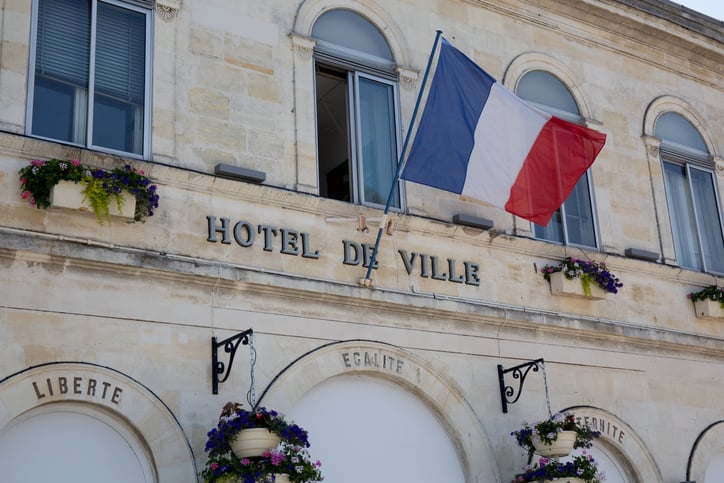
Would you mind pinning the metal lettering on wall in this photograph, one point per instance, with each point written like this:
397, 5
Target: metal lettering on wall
298, 243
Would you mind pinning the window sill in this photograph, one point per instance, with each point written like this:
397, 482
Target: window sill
560, 285
69, 195
708, 309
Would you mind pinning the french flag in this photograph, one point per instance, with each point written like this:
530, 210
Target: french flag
478, 139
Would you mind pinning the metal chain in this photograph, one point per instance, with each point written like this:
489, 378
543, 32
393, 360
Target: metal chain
251, 395
545, 382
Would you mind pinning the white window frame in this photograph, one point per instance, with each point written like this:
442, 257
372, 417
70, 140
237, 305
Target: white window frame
677, 154
140, 6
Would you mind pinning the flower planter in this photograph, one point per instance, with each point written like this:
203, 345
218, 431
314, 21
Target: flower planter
67, 194
252, 442
566, 480
562, 446
281, 478
560, 285
709, 309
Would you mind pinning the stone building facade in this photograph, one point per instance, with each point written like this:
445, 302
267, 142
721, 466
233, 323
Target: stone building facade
268, 128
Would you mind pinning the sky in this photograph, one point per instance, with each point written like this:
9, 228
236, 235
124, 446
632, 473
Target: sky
712, 8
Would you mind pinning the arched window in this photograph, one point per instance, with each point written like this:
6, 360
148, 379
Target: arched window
691, 195
573, 223
357, 114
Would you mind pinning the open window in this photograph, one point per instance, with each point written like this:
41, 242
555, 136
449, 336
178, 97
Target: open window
357, 111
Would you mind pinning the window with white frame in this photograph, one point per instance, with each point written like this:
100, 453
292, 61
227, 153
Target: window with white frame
89, 79
573, 223
357, 111
691, 195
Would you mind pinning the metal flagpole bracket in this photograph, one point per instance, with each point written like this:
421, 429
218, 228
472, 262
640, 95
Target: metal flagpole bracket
508, 394
230, 346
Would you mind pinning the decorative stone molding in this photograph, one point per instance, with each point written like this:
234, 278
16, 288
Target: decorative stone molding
303, 46
718, 165
402, 368
105, 390
408, 77
652, 145
168, 9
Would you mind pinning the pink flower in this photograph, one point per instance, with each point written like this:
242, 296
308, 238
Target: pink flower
318, 463
141, 172
214, 465
543, 461
25, 194
246, 462
276, 459
74, 162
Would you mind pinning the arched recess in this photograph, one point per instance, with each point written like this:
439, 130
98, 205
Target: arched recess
621, 442
708, 445
131, 408
531, 61
404, 369
310, 10
664, 104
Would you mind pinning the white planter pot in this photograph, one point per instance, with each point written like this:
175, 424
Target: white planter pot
560, 285
708, 309
69, 195
252, 442
281, 478
562, 446
567, 480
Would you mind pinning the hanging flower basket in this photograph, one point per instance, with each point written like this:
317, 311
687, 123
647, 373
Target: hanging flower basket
561, 446
581, 469
253, 442
544, 434
569, 479
259, 446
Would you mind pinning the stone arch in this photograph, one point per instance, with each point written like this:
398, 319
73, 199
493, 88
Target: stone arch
404, 369
708, 444
531, 61
310, 10
663, 104
133, 407
620, 439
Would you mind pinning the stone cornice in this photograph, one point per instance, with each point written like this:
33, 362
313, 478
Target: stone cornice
456, 316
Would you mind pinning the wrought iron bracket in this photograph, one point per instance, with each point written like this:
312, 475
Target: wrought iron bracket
230, 346
508, 394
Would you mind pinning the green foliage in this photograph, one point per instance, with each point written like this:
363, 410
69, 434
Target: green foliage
712, 292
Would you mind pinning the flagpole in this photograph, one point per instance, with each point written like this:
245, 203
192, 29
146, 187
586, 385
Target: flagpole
367, 281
